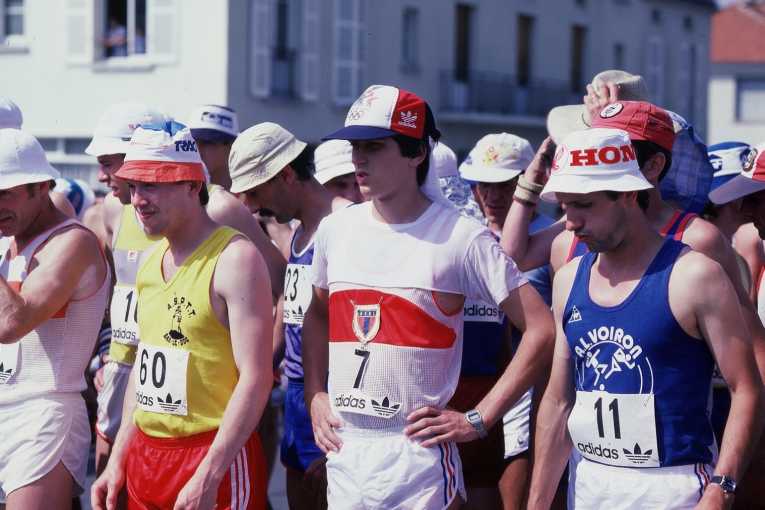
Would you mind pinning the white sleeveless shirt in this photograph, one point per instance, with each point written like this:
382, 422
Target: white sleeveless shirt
392, 348
52, 357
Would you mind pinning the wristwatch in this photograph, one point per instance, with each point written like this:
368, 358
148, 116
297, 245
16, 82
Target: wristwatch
475, 419
726, 483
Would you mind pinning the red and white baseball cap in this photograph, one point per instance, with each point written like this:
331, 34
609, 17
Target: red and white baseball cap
383, 111
162, 153
641, 119
116, 126
592, 160
751, 180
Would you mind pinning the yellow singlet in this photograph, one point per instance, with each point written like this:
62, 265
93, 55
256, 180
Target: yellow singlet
129, 241
185, 371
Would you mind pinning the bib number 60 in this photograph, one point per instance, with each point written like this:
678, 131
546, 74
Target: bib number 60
158, 368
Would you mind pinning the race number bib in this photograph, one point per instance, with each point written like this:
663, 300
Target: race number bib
161, 379
615, 429
297, 293
124, 315
9, 361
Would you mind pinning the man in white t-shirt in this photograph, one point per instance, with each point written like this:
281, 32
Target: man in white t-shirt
390, 279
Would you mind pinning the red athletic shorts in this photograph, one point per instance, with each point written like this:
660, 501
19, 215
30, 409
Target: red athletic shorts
158, 469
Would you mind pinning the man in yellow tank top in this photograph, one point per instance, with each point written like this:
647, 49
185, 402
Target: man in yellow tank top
203, 369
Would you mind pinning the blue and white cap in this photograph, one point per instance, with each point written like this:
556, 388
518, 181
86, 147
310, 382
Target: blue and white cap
214, 123
728, 160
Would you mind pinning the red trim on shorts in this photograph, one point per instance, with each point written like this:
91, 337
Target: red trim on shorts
402, 323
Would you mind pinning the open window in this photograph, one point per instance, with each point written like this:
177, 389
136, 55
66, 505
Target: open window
124, 30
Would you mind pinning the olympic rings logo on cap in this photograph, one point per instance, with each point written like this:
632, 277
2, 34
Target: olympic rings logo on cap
611, 110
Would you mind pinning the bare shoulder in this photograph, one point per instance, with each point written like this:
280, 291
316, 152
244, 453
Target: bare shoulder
748, 242
222, 201
702, 236
340, 203
93, 218
111, 210
239, 261
564, 280
695, 272
74, 247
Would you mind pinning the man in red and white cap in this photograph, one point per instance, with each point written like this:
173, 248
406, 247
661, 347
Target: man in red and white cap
390, 279
204, 360
628, 398
54, 285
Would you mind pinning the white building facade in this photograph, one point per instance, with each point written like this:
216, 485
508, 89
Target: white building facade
484, 65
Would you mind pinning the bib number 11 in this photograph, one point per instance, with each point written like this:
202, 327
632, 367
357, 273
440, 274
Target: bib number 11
613, 407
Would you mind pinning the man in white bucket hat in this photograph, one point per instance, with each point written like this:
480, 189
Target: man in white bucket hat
54, 284
390, 277
335, 170
628, 398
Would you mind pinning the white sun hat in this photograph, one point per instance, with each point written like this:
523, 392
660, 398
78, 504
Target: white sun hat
22, 160
10, 114
597, 159
497, 157
751, 180
332, 159
117, 124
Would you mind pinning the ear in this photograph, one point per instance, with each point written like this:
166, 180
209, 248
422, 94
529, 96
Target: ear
420, 157
653, 167
288, 175
196, 187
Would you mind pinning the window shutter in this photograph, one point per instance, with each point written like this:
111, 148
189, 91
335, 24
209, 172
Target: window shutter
655, 69
309, 69
348, 50
161, 30
80, 37
260, 56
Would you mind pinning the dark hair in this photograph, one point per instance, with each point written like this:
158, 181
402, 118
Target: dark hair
410, 147
643, 197
204, 195
645, 150
302, 165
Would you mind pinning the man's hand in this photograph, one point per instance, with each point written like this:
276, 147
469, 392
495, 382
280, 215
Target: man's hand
597, 99
539, 169
431, 426
98, 377
106, 489
198, 494
715, 499
324, 422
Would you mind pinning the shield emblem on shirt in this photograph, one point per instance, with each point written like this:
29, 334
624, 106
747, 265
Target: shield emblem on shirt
366, 322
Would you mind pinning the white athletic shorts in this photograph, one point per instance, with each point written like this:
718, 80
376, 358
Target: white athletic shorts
38, 434
592, 485
110, 399
515, 424
385, 471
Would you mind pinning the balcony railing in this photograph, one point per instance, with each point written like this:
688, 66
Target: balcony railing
283, 64
497, 93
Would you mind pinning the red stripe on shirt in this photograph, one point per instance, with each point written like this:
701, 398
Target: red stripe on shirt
402, 322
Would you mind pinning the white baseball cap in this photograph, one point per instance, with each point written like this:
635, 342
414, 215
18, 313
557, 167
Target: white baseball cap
162, 153
333, 159
22, 160
214, 123
751, 180
117, 124
443, 161
10, 114
259, 153
597, 159
497, 157
727, 160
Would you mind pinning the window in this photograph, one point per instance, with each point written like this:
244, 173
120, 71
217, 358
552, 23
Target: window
654, 66
524, 48
283, 55
578, 48
750, 100
125, 29
656, 16
619, 56
687, 81
463, 42
688, 23
410, 49
348, 50
11, 20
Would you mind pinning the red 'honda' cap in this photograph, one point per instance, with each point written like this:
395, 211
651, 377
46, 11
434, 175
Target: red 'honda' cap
641, 119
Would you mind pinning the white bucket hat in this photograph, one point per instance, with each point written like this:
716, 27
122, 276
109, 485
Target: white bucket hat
443, 161
563, 120
10, 114
597, 159
259, 153
751, 180
116, 126
333, 159
497, 157
22, 160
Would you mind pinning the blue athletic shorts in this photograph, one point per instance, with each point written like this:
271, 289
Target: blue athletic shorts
298, 449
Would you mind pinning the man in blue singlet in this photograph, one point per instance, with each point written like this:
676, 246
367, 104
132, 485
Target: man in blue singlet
271, 170
641, 320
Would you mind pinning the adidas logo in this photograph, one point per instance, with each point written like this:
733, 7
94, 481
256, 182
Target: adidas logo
575, 315
168, 404
637, 456
408, 119
384, 408
5, 374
